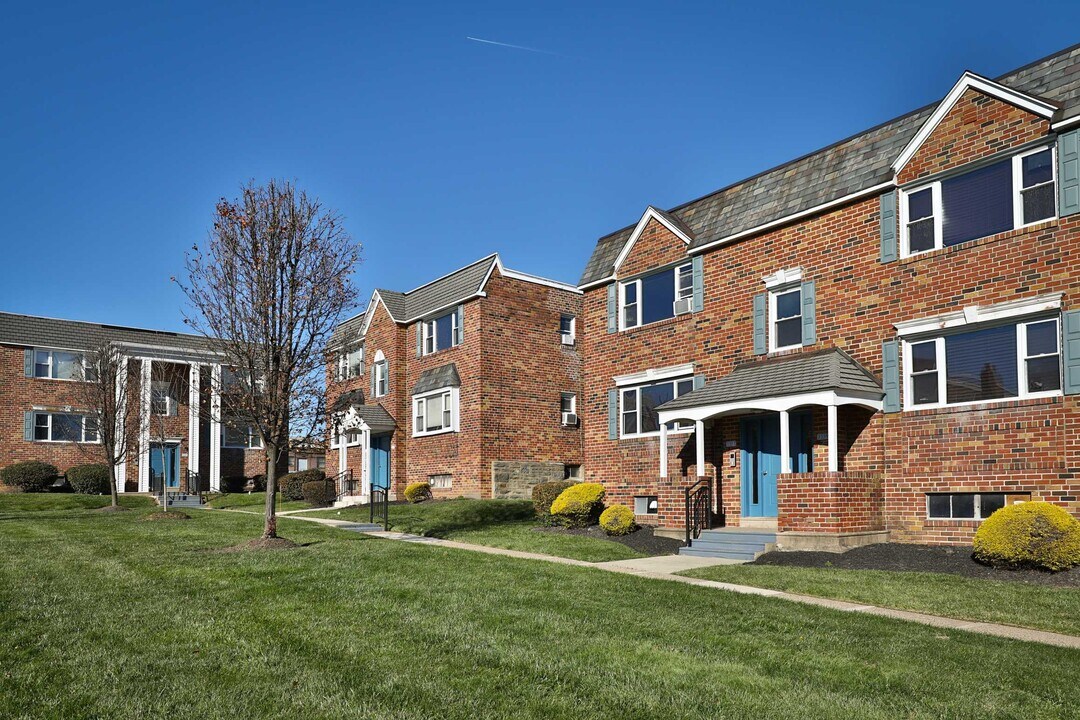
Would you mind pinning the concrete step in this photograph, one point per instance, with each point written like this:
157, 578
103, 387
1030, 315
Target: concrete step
731, 543
734, 535
695, 551
709, 544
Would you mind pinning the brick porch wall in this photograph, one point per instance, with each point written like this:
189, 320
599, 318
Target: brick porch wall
831, 502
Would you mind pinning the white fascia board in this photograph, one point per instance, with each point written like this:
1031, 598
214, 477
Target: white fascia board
652, 374
787, 219
373, 304
596, 283
535, 279
1065, 124
650, 214
970, 81
973, 314
872, 401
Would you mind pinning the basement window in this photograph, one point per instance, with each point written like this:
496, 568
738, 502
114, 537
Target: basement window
646, 504
442, 481
963, 506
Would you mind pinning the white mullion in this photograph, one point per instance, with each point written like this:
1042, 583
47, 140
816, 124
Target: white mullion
943, 372
939, 215
1018, 191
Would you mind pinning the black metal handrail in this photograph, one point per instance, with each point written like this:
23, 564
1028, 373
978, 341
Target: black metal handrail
342, 484
379, 506
698, 509
193, 484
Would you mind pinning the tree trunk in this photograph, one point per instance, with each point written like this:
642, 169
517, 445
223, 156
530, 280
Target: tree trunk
270, 527
114, 483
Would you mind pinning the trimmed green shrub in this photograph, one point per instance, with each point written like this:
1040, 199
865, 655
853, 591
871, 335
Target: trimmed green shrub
618, 520
543, 494
90, 479
579, 506
418, 492
292, 485
318, 493
1029, 535
30, 476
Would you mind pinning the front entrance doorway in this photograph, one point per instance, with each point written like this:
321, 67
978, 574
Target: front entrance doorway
760, 443
164, 466
380, 462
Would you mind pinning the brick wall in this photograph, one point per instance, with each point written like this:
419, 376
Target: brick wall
833, 502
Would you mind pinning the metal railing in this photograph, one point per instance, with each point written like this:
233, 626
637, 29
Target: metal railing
193, 485
698, 509
379, 506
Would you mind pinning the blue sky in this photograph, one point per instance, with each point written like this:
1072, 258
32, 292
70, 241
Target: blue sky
122, 125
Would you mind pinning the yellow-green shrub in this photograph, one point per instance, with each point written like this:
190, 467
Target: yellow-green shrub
1029, 535
543, 494
578, 506
418, 492
618, 520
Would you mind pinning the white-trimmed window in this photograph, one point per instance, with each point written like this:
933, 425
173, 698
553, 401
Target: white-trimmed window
571, 472
240, 435
64, 427
567, 329
441, 481
435, 412
60, 365
785, 318
637, 412
350, 438
381, 378
963, 506
441, 333
985, 364
656, 296
646, 504
162, 401
568, 409
351, 363
990, 199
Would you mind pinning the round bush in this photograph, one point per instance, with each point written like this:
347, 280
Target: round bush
30, 476
418, 492
318, 492
543, 494
292, 485
618, 520
1029, 535
90, 479
579, 505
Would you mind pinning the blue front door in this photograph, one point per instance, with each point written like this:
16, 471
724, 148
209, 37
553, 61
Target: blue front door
380, 461
760, 442
165, 465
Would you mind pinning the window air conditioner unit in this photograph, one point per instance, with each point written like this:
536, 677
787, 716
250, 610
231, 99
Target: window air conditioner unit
682, 307
567, 339
569, 418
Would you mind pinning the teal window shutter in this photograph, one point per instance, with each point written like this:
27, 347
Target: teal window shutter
1070, 351
374, 375
890, 375
28, 362
420, 338
1069, 173
612, 308
809, 313
761, 345
699, 382
613, 414
888, 227
699, 283
28, 426
459, 336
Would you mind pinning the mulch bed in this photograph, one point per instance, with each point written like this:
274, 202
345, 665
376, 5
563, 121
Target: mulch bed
166, 515
918, 558
278, 543
642, 540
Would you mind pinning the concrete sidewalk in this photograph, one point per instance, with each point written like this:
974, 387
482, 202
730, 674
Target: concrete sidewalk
664, 567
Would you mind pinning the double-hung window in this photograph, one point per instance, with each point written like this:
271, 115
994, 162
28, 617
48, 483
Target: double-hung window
638, 411
351, 363
567, 329
990, 199
657, 296
240, 435
441, 333
65, 427
162, 401
435, 412
59, 365
1019, 360
785, 318
381, 379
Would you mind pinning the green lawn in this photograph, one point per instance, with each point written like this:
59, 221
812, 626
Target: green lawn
105, 616
45, 502
253, 502
1012, 603
496, 523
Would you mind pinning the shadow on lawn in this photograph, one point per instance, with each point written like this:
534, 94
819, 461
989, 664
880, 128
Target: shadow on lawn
439, 517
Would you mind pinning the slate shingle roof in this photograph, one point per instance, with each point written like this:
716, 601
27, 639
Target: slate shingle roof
76, 335
376, 417
458, 285
830, 369
347, 331
846, 167
441, 377
347, 399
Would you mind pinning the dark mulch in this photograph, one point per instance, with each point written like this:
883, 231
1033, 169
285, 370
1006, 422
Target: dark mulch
918, 558
278, 543
113, 509
166, 515
642, 540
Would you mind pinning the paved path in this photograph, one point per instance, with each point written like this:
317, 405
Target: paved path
664, 567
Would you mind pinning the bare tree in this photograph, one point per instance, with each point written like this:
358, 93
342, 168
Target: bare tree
266, 291
103, 395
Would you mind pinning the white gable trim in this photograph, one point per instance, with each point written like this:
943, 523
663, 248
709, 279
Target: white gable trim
376, 299
650, 213
526, 277
970, 81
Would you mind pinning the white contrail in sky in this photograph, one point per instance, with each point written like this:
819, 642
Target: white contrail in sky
514, 47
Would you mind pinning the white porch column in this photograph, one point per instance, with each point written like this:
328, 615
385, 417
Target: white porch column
663, 450
834, 459
215, 427
194, 397
145, 377
785, 442
121, 422
699, 447
365, 463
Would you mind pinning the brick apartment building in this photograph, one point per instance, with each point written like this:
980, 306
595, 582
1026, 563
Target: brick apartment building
183, 424
878, 339
470, 382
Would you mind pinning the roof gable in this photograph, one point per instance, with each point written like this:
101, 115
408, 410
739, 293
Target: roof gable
677, 228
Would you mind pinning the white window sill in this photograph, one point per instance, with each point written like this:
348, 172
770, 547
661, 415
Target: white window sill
904, 255
995, 401
434, 432
68, 442
773, 351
